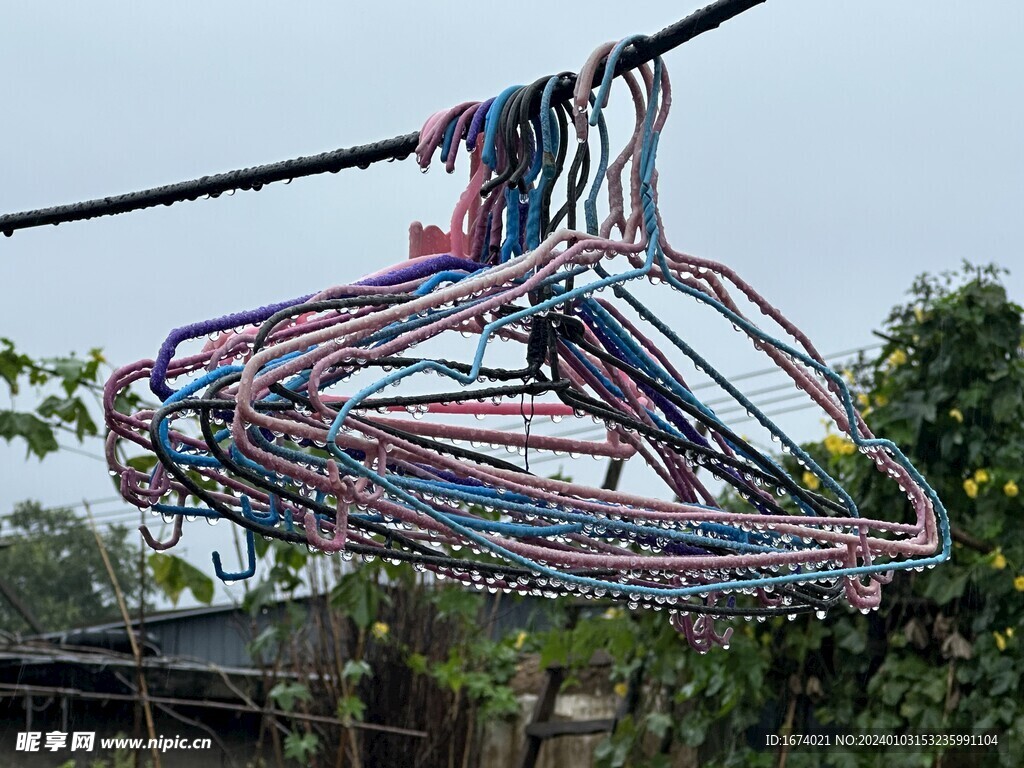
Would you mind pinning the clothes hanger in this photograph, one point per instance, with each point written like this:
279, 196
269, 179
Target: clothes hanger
594, 351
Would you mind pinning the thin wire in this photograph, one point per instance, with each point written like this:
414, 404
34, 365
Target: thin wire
81, 504
124, 511
765, 371
397, 148
740, 377
80, 452
110, 519
595, 430
779, 412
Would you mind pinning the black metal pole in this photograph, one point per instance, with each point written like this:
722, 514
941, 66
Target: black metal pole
397, 148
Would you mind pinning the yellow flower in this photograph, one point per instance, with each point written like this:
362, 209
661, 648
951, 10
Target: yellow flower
881, 401
837, 445
380, 630
998, 560
971, 488
520, 639
897, 358
1009, 631
811, 481
1011, 489
863, 400
847, 374
955, 413
613, 613
1018, 584
981, 476
919, 314
621, 689
1000, 640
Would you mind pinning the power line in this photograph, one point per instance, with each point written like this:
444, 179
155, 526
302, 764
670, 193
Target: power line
397, 148
765, 371
81, 504
596, 430
128, 517
767, 414
835, 357
740, 408
781, 411
99, 515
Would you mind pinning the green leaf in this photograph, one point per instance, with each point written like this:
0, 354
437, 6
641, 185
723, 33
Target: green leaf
1005, 406
264, 641
456, 603
285, 578
30, 428
126, 402
174, 575
356, 670
143, 463
944, 587
614, 751
258, 597
290, 557
417, 662
70, 410
693, 729
452, 673
358, 598
286, 694
262, 546
500, 701
296, 613
351, 708
11, 364
604, 750
73, 371
658, 723
555, 649
301, 747
478, 685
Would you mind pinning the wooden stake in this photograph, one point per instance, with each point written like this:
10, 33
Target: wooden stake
136, 650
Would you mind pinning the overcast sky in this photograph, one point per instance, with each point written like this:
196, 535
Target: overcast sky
828, 151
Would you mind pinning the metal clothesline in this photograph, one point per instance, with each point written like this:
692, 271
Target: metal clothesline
396, 148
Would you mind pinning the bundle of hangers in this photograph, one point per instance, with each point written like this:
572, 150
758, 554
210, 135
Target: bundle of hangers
315, 421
